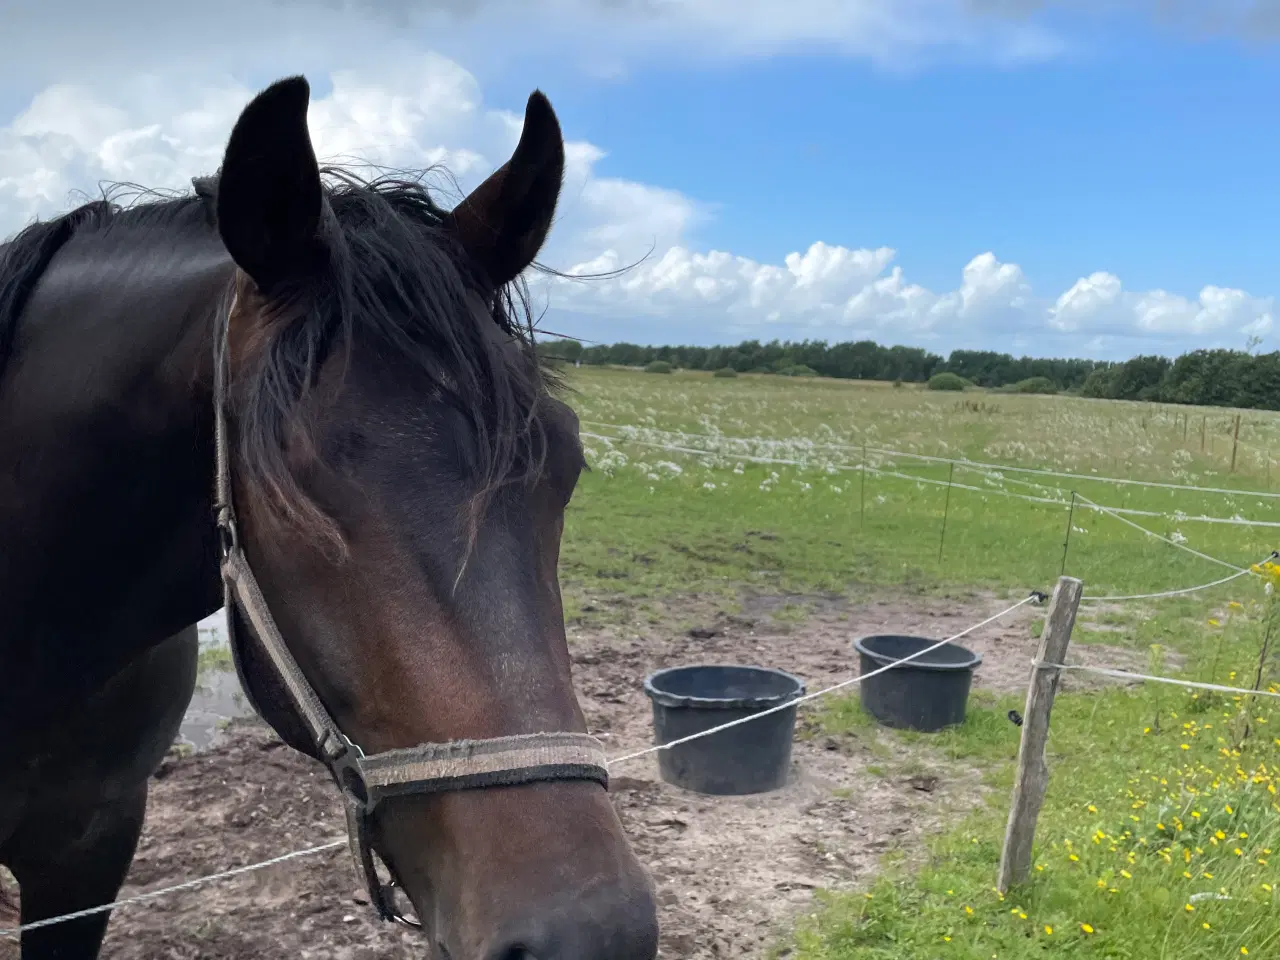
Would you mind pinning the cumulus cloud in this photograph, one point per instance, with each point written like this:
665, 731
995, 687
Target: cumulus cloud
427, 109
1097, 304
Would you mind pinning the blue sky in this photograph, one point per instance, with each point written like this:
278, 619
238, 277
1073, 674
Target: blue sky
1049, 182
1157, 160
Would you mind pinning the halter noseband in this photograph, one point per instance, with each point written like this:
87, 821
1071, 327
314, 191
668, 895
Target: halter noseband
365, 780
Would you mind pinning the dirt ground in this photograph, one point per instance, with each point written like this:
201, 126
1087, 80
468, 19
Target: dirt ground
732, 873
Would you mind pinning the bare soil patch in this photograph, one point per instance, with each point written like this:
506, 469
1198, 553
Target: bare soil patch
731, 873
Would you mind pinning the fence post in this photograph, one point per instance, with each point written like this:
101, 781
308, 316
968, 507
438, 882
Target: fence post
862, 493
946, 508
1033, 774
1066, 544
1235, 441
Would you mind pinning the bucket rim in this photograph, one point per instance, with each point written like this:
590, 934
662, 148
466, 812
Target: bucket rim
974, 661
667, 699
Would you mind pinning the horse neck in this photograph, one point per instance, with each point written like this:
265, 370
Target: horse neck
106, 457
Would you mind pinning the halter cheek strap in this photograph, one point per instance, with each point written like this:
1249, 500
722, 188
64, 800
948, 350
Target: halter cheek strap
365, 780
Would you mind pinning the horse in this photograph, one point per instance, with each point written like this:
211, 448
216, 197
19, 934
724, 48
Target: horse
314, 398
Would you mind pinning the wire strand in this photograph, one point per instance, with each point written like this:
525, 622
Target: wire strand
165, 891
311, 851
1152, 533
1177, 593
790, 704
1127, 675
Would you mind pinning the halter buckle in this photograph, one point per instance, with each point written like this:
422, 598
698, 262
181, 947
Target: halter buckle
224, 518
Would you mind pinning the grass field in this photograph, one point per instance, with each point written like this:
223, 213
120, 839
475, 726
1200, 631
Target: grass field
1158, 832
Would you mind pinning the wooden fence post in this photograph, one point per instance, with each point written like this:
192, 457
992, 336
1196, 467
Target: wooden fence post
1033, 774
1235, 442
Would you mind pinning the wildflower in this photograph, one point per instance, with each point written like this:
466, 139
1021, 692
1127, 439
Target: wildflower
968, 910
1048, 930
1189, 908
1086, 928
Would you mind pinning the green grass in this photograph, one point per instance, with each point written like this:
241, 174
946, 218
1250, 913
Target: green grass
1142, 778
1158, 796
647, 521
1129, 835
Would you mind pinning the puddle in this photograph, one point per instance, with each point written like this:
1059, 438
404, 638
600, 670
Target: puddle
218, 696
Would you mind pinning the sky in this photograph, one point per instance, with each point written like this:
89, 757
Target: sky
1075, 178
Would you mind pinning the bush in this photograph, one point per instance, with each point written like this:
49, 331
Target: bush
1035, 385
725, 373
658, 366
798, 370
947, 381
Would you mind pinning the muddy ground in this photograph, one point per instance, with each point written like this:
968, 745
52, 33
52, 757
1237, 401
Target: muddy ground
732, 873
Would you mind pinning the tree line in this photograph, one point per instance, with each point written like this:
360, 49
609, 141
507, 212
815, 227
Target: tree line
1232, 378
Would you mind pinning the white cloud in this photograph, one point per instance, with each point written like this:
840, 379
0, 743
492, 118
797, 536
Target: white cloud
429, 110
57, 40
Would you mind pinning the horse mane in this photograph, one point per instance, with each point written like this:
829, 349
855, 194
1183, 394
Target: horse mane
24, 259
395, 277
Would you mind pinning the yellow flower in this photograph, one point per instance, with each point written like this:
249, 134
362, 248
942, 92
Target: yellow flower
1189, 908
1245, 951
1073, 858
1205, 925
969, 910
1126, 874
1092, 808
1086, 928
1048, 930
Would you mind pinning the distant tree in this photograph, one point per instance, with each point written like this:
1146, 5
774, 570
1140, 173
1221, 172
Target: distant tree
1036, 385
947, 381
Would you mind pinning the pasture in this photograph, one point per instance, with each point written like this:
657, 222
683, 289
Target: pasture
1158, 831
727, 519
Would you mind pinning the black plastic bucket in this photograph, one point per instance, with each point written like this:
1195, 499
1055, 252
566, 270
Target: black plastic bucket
927, 693
752, 757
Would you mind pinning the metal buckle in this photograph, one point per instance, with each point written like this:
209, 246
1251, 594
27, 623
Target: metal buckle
228, 535
344, 765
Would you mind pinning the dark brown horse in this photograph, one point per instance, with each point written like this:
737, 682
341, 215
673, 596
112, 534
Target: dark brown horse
399, 468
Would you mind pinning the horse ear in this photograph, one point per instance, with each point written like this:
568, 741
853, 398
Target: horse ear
503, 223
269, 198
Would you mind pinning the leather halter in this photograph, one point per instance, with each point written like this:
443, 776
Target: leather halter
365, 780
